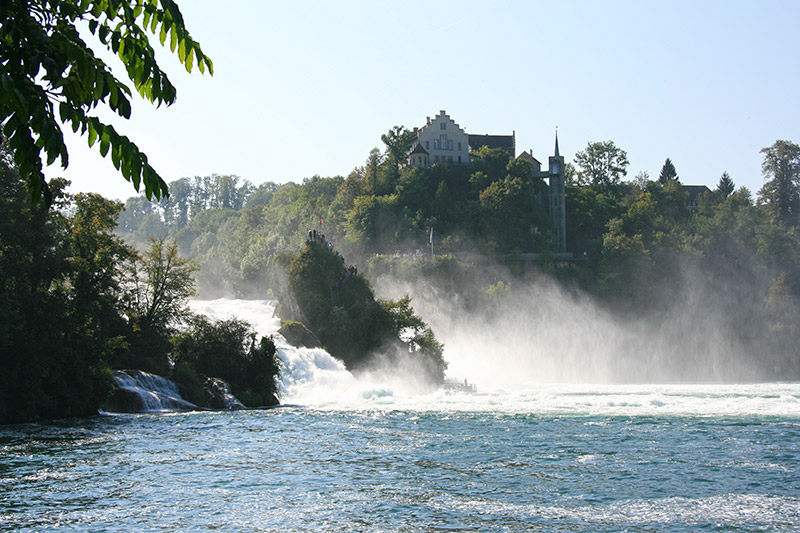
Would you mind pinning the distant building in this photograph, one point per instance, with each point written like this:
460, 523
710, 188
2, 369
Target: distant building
556, 172
442, 140
504, 142
536, 166
694, 192
556, 176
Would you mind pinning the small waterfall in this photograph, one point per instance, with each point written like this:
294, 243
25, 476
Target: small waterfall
140, 391
308, 375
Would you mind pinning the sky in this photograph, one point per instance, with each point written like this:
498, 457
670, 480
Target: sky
307, 88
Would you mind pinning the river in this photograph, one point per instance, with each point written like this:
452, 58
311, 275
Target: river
375, 454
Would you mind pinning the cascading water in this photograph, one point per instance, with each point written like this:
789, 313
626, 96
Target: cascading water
312, 377
308, 375
148, 392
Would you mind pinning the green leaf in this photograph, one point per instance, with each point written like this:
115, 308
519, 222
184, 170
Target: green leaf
189, 60
98, 88
114, 99
115, 156
105, 143
154, 25
124, 108
92, 135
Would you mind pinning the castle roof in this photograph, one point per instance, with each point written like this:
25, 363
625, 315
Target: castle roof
528, 156
418, 149
695, 190
506, 142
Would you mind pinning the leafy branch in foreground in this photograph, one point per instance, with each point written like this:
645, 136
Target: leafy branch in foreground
50, 77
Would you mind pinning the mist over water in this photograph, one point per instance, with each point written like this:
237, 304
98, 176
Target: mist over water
311, 376
541, 333
509, 377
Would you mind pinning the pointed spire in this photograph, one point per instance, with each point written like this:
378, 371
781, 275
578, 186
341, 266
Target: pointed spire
557, 154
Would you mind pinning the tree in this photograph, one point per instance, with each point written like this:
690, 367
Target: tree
642, 179
511, 217
47, 66
398, 141
59, 317
668, 173
602, 164
226, 349
159, 284
371, 177
95, 263
625, 265
491, 161
781, 169
725, 187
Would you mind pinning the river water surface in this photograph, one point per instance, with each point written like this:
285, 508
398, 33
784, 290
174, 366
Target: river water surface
643, 466
347, 454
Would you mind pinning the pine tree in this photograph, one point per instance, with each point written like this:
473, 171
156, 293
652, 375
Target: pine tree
725, 187
668, 173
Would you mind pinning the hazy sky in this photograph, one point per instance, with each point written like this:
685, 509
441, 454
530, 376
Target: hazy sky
305, 88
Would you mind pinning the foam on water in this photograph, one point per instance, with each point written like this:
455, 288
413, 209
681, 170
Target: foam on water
312, 377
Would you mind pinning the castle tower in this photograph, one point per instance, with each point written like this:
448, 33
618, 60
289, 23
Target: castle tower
558, 211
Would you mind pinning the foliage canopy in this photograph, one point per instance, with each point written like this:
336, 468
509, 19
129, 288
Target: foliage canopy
50, 76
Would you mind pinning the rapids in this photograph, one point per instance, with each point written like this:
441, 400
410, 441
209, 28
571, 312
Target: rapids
373, 452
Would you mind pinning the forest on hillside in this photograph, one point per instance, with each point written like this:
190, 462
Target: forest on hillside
638, 247
98, 270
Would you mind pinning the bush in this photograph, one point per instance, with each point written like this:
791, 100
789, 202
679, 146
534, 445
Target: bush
341, 309
226, 349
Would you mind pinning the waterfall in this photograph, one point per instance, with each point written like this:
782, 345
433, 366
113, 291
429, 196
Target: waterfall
308, 375
140, 391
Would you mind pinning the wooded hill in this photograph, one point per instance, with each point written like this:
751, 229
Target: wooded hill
634, 242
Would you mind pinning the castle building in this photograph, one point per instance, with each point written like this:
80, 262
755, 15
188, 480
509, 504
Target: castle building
442, 140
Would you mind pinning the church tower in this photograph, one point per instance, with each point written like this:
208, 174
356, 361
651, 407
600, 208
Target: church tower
558, 211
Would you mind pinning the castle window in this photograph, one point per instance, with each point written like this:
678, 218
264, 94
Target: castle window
449, 144
435, 144
442, 126
459, 157
427, 145
459, 149
443, 142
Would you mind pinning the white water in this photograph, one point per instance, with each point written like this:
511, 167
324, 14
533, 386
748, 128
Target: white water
308, 375
155, 392
311, 377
